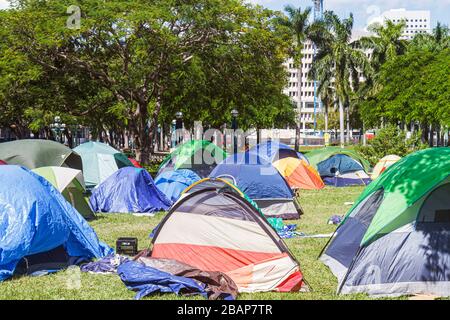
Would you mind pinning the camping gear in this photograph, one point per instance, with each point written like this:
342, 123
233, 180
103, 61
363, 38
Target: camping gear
106, 265
70, 183
219, 230
147, 280
335, 219
34, 153
200, 156
39, 229
135, 163
127, 246
218, 284
262, 183
2, 163
128, 190
395, 239
272, 151
383, 164
299, 174
340, 167
172, 183
100, 161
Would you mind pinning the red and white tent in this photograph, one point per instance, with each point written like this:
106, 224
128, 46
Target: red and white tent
218, 230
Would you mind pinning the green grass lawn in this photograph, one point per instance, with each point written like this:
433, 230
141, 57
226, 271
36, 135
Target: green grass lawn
71, 284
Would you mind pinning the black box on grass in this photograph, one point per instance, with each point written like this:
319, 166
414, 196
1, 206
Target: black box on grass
127, 246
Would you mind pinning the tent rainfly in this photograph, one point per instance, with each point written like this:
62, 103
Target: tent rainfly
40, 230
70, 183
100, 161
395, 239
219, 230
35, 153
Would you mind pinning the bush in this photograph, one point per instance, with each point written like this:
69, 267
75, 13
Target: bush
390, 140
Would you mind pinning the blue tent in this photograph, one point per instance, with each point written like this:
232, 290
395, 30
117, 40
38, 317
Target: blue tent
39, 229
272, 151
341, 170
173, 183
128, 190
261, 182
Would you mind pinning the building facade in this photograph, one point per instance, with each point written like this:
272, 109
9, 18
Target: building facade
417, 21
307, 99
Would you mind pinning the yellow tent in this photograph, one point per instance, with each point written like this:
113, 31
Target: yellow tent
383, 164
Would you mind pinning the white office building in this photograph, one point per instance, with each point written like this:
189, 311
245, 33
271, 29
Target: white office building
307, 88
417, 21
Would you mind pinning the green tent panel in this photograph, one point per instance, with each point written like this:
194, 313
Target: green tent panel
35, 153
200, 156
395, 239
70, 183
318, 155
406, 185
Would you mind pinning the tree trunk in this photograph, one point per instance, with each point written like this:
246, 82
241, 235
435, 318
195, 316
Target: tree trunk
364, 137
347, 112
299, 104
326, 119
341, 123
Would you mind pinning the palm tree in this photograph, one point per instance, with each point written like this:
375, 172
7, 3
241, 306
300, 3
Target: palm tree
386, 43
337, 54
438, 40
297, 22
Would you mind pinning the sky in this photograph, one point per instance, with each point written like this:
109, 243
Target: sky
363, 10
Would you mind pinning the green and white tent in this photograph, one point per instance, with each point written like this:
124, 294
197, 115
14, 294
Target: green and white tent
70, 183
100, 161
395, 240
200, 156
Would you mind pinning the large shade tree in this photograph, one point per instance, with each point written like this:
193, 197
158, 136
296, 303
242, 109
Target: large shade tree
135, 52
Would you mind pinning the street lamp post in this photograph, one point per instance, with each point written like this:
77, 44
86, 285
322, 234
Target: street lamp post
179, 126
58, 127
234, 114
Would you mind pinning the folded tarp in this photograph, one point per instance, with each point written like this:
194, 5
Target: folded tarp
147, 280
218, 284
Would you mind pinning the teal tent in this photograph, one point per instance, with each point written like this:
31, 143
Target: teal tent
100, 161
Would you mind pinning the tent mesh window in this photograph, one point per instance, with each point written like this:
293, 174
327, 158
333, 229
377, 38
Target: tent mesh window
368, 208
436, 207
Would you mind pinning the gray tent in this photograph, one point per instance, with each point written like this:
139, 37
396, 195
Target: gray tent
34, 153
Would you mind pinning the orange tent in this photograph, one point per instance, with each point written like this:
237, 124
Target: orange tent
299, 174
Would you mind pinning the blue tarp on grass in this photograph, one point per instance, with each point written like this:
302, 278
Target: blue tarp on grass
129, 190
36, 219
147, 280
173, 183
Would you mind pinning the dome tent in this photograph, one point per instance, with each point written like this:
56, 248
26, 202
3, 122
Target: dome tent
2, 163
172, 183
40, 229
272, 151
383, 164
299, 174
70, 183
200, 156
219, 230
262, 183
340, 167
35, 153
128, 190
100, 161
395, 239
